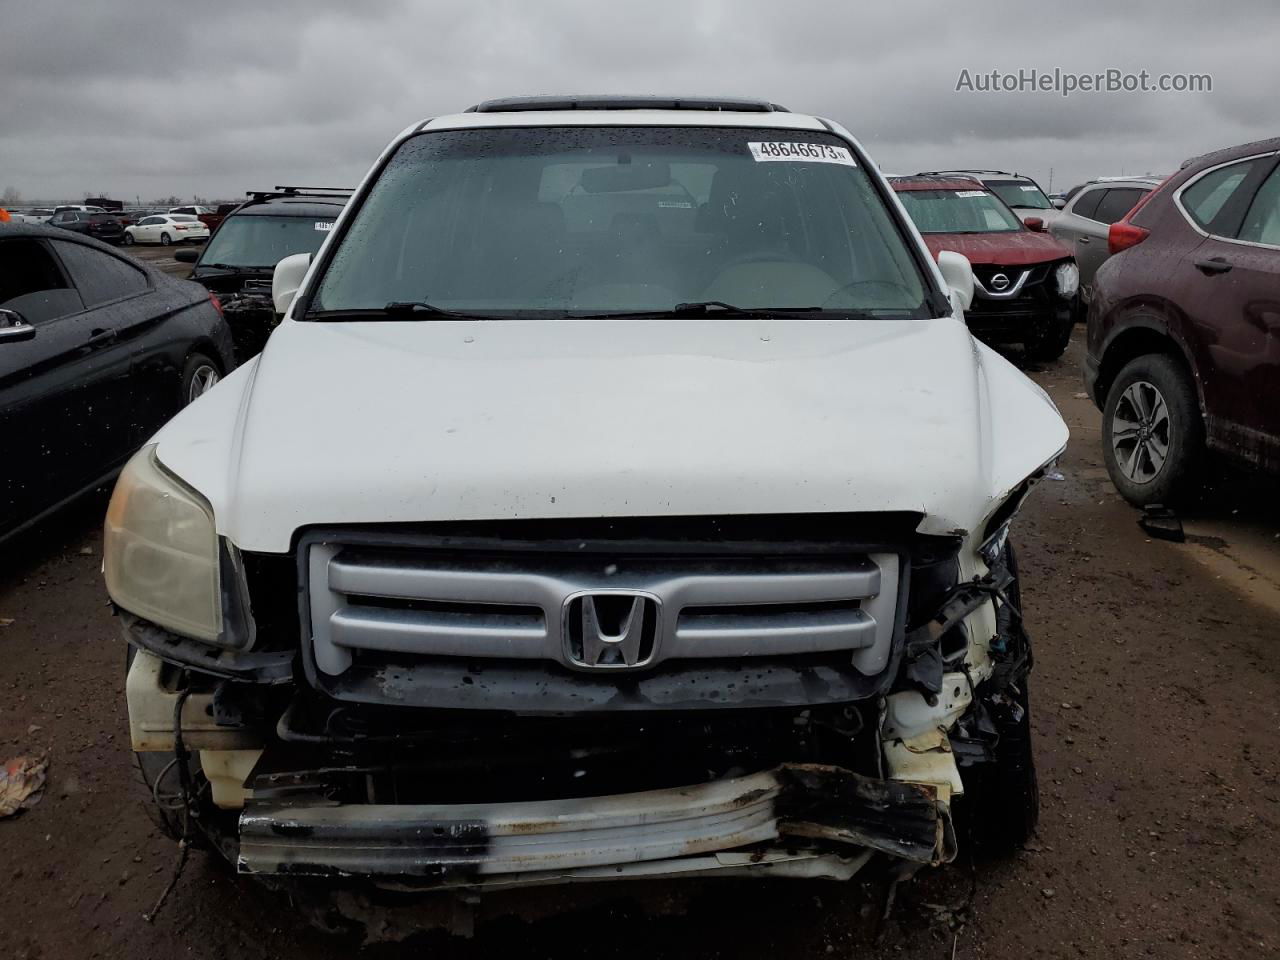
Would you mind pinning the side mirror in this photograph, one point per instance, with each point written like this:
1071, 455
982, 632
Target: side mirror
286, 280
1058, 203
1035, 223
14, 327
958, 274
186, 255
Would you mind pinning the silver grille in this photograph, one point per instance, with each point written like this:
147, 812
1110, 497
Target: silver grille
404, 601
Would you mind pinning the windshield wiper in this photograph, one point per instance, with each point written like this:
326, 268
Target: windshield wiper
706, 308
396, 309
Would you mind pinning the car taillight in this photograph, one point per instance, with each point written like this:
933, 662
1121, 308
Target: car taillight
1124, 235
217, 304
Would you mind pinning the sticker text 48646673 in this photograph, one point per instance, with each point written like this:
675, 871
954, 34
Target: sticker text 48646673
800, 152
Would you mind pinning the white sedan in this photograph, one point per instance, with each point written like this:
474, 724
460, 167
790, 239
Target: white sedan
166, 228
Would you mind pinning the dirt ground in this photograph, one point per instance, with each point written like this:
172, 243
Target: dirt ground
1156, 705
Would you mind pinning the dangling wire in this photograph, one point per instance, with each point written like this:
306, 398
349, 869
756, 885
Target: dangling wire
183, 800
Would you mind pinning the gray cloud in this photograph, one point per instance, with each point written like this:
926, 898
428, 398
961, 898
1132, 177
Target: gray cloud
150, 98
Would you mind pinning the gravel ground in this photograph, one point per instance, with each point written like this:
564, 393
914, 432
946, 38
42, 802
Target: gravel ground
1156, 703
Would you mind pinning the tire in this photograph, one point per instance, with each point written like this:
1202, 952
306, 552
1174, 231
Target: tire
165, 240
1153, 401
1006, 808
1000, 808
199, 375
128, 240
1048, 339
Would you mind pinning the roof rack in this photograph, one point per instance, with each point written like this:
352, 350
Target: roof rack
598, 102
1002, 173
279, 191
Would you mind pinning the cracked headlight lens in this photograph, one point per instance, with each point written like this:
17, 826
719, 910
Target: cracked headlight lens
1067, 278
160, 551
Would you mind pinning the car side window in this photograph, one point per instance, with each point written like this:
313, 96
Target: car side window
1262, 222
1205, 198
32, 282
100, 277
1087, 203
1116, 203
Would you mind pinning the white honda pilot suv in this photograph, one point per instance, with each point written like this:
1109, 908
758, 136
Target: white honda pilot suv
621, 495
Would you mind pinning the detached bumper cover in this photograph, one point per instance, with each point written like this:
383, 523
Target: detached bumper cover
811, 806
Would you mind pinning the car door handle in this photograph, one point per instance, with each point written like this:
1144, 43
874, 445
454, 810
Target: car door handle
1213, 266
101, 335
1082, 239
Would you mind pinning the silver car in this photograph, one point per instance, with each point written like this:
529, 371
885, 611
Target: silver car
1086, 219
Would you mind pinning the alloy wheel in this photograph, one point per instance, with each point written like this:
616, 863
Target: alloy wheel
1140, 428
203, 380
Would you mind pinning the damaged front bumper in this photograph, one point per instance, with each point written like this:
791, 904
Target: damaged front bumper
793, 820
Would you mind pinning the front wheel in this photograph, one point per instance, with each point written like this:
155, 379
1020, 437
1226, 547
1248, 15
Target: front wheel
128, 240
165, 240
1048, 338
1152, 432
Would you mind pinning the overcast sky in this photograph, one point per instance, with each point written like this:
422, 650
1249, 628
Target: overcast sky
153, 97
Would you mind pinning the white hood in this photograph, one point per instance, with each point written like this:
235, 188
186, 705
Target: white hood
466, 420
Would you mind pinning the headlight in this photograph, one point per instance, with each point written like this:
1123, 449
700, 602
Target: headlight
1067, 277
160, 552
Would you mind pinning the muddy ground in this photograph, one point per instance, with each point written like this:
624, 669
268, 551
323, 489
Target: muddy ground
1156, 705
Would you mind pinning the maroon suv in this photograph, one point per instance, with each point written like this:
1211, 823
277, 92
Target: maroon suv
1184, 326
1025, 281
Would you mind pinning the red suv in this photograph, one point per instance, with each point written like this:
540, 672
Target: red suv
1025, 281
1184, 326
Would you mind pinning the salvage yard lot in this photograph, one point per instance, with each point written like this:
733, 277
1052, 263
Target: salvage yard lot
1156, 705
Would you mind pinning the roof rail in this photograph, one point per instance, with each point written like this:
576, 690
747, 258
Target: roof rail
1002, 173
285, 191
599, 102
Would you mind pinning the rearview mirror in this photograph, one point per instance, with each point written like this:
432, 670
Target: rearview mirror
287, 278
1058, 203
622, 177
1035, 223
14, 327
186, 255
957, 272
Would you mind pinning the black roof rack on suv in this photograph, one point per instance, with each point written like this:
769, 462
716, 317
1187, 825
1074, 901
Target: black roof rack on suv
1002, 173
599, 102
280, 191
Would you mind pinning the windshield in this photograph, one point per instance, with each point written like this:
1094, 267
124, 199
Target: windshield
257, 241
958, 211
1019, 193
574, 221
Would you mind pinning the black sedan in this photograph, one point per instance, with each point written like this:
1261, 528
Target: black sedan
97, 351
100, 226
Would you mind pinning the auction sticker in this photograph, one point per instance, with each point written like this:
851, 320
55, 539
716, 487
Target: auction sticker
804, 152
324, 225
971, 193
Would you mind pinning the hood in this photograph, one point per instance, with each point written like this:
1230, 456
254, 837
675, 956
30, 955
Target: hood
1017, 248
471, 420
